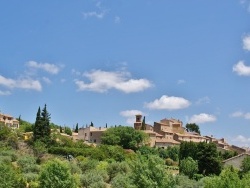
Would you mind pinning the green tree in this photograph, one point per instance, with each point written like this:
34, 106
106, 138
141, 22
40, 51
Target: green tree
150, 172
37, 129
192, 127
122, 181
188, 149
245, 165
188, 167
68, 131
92, 179
124, 136
76, 129
92, 124
9, 177
206, 154
56, 174
208, 159
41, 130
46, 123
143, 125
5, 131
116, 168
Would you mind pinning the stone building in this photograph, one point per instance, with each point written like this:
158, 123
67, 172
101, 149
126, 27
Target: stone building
9, 120
91, 134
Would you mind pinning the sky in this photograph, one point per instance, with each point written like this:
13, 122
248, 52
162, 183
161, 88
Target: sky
105, 61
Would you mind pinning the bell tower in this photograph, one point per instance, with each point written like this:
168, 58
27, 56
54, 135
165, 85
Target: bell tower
138, 122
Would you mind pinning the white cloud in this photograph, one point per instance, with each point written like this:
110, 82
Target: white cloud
26, 83
204, 100
241, 69
246, 3
241, 141
75, 72
181, 82
130, 115
96, 14
117, 19
240, 114
168, 103
47, 80
246, 43
2, 93
102, 81
50, 68
202, 118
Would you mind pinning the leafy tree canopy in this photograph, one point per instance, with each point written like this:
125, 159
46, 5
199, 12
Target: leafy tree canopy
192, 127
124, 136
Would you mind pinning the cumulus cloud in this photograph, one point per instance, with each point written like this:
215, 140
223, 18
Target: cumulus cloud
130, 115
181, 82
2, 93
240, 114
241, 69
202, 118
204, 100
246, 42
50, 68
102, 81
168, 103
241, 140
46, 80
26, 83
96, 14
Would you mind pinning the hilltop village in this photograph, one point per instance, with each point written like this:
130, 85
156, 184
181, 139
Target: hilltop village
165, 133
165, 154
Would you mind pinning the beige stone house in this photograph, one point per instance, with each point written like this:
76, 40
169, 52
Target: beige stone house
9, 120
167, 132
91, 134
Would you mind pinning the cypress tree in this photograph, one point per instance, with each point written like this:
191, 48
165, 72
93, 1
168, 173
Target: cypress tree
143, 125
91, 124
37, 127
45, 124
76, 130
41, 130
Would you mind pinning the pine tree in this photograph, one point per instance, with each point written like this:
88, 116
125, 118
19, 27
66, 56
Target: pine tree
37, 127
41, 129
91, 124
46, 125
143, 125
76, 130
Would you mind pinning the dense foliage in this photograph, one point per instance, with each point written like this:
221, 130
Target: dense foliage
72, 164
41, 129
206, 154
192, 127
126, 137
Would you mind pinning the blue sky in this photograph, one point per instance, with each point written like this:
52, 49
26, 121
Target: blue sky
105, 61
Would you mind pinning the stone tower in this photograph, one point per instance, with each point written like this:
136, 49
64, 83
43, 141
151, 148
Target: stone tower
138, 122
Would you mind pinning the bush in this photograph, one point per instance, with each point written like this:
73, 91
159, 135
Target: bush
9, 177
56, 174
9, 153
28, 164
92, 179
